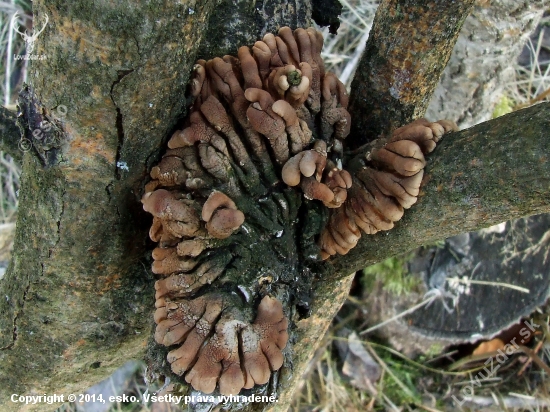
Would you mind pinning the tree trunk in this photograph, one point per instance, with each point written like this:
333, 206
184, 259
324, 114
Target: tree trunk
79, 291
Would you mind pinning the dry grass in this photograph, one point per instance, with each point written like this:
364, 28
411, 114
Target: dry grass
325, 389
341, 53
10, 43
532, 84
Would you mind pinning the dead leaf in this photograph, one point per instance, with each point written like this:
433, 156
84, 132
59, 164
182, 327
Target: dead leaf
359, 366
489, 346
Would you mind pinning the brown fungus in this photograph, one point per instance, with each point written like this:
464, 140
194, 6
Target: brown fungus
177, 217
170, 171
385, 187
219, 361
335, 119
338, 181
307, 163
225, 350
167, 261
291, 83
248, 142
263, 342
297, 130
221, 215
264, 120
198, 131
306, 169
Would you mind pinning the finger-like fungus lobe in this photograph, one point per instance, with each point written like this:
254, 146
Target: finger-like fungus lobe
250, 193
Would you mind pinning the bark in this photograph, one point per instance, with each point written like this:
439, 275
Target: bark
9, 134
79, 291
483, 60
493, 172
395, 79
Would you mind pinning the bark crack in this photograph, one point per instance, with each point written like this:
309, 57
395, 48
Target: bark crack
14, 336
108, 191
58, 223
42, 270
119, 122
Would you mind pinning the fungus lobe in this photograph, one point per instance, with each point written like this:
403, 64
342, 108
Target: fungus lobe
237, 202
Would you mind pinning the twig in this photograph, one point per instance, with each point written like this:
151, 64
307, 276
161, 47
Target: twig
456, 279
530, 360
534, 100
532, 355
508, 402
384, 366
400, 315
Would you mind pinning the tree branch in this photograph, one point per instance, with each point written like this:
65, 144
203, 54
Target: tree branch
79, 296
493, 172
395, 79
482, 49
490, 173
9, 134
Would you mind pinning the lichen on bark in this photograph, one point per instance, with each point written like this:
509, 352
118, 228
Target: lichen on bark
80, 255
395, 79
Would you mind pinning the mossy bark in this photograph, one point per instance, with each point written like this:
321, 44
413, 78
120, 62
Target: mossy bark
408, 48
79, 292
488, 174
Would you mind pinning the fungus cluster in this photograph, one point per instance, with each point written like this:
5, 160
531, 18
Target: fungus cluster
384, 187
265, 135
218, 345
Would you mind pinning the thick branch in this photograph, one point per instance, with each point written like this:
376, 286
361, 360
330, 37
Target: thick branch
490, 173
9, 134
78, 297
235, 23
395, 79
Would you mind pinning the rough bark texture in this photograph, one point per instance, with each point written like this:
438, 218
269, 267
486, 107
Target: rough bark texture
328, 298
240, 22
482, 62
395, 79
79, 291
9, 134
77, 288
490, 173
